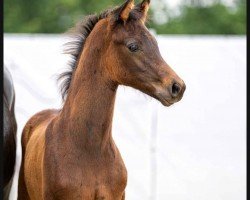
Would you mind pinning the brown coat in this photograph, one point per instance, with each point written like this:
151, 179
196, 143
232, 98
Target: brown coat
70, 153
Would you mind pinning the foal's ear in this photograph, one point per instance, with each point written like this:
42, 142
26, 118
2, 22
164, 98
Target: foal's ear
143, 9
124, 10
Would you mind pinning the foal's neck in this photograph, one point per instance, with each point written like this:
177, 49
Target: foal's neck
88, 110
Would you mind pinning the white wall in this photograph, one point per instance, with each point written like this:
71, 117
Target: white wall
200, 141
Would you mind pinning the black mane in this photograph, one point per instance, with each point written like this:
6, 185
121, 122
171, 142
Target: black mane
79, 34
74, 48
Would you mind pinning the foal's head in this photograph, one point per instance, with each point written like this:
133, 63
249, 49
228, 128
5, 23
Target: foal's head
134, 57
129, 54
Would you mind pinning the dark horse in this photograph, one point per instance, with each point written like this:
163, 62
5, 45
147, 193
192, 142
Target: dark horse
9, 133
70, 154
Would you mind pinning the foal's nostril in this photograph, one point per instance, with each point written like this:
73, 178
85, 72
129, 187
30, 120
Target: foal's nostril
175, 89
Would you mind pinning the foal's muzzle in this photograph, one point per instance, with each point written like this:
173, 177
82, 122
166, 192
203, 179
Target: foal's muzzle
171, 93
177, 90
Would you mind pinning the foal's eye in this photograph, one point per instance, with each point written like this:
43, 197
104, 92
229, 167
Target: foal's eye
133, 47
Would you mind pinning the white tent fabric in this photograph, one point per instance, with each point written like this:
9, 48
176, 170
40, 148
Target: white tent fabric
193, 150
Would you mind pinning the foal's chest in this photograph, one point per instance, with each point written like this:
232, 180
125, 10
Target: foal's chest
88, 178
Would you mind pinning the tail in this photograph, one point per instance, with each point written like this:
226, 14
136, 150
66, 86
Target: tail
9, 133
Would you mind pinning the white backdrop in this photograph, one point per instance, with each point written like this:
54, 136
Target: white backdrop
193, 150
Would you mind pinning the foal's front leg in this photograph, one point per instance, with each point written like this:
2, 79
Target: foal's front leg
123, 196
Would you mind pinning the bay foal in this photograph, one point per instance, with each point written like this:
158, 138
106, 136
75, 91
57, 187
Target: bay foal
70, 154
